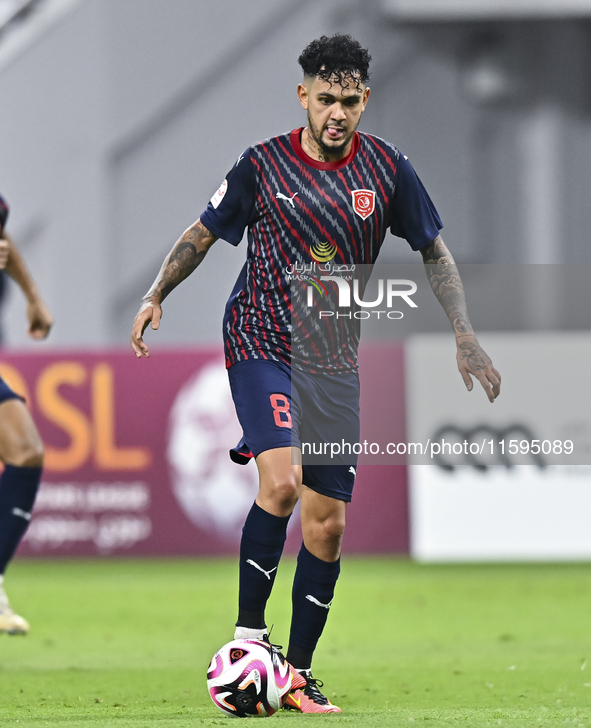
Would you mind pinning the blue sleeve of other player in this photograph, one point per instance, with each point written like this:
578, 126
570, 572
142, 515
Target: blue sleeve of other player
229, 211
3, 213
413, 214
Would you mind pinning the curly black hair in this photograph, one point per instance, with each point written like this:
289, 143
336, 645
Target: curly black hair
336, 59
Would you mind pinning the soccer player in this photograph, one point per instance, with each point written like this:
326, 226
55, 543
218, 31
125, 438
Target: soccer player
21, 449
322, 192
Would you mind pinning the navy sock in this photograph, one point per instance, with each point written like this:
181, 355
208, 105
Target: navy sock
18, 488
312, 594
263, 538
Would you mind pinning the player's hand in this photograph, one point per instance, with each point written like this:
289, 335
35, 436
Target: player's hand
473, 360
40, 320
4, 253
150, 312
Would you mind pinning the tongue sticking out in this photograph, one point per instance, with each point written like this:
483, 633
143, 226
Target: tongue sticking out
334, 133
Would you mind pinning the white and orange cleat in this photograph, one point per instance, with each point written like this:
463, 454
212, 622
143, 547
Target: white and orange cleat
309, 699
9, 621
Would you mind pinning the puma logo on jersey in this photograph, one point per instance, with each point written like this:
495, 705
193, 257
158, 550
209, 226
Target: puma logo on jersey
256, 566
281, 196
352, 470
312, 599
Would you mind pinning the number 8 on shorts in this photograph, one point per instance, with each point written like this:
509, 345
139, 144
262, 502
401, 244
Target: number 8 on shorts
281, 413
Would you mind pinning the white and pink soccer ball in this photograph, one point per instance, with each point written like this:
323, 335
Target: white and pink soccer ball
248, 678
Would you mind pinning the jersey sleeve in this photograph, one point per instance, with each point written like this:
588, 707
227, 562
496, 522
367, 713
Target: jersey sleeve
230, 209
3, 213
413, 214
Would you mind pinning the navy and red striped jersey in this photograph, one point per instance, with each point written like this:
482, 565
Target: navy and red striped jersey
300, 213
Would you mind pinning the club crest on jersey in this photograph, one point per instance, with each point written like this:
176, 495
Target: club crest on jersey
364, 202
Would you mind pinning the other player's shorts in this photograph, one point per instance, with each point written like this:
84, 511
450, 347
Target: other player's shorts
278, 406
7, 393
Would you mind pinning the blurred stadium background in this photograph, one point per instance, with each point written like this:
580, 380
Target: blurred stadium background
119, 119
122, 116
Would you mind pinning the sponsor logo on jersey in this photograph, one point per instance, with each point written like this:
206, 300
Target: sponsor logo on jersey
364, 202
323, 252
220, 194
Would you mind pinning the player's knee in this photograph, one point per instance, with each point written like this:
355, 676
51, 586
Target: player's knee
324, 538
331, 529
284, 492
29, 455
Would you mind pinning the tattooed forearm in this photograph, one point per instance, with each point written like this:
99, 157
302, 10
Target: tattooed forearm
186, 255
181, 263
447, 285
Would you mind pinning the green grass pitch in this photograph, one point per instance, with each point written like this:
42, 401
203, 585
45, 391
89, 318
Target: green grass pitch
127, 643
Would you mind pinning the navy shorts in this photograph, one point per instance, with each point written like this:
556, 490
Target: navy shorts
7, 393
281, 407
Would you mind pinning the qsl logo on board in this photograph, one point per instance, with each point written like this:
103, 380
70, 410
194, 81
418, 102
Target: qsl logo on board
364, 202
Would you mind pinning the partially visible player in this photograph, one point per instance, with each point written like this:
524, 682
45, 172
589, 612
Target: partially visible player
21, 449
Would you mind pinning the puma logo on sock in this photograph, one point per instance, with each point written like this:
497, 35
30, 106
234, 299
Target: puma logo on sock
312, 599
256, 566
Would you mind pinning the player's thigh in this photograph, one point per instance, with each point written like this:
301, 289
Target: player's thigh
323, 523
280, 479
20, 442
329, 428
329, 431
267, 412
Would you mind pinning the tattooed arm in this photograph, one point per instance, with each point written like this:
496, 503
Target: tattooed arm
447, 285
187, 253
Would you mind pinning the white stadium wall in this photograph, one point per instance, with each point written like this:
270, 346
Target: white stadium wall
485, 9
497, 504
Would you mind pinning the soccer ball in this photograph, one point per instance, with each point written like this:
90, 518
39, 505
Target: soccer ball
248, 678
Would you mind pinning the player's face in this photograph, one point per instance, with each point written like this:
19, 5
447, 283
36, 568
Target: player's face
334, 112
